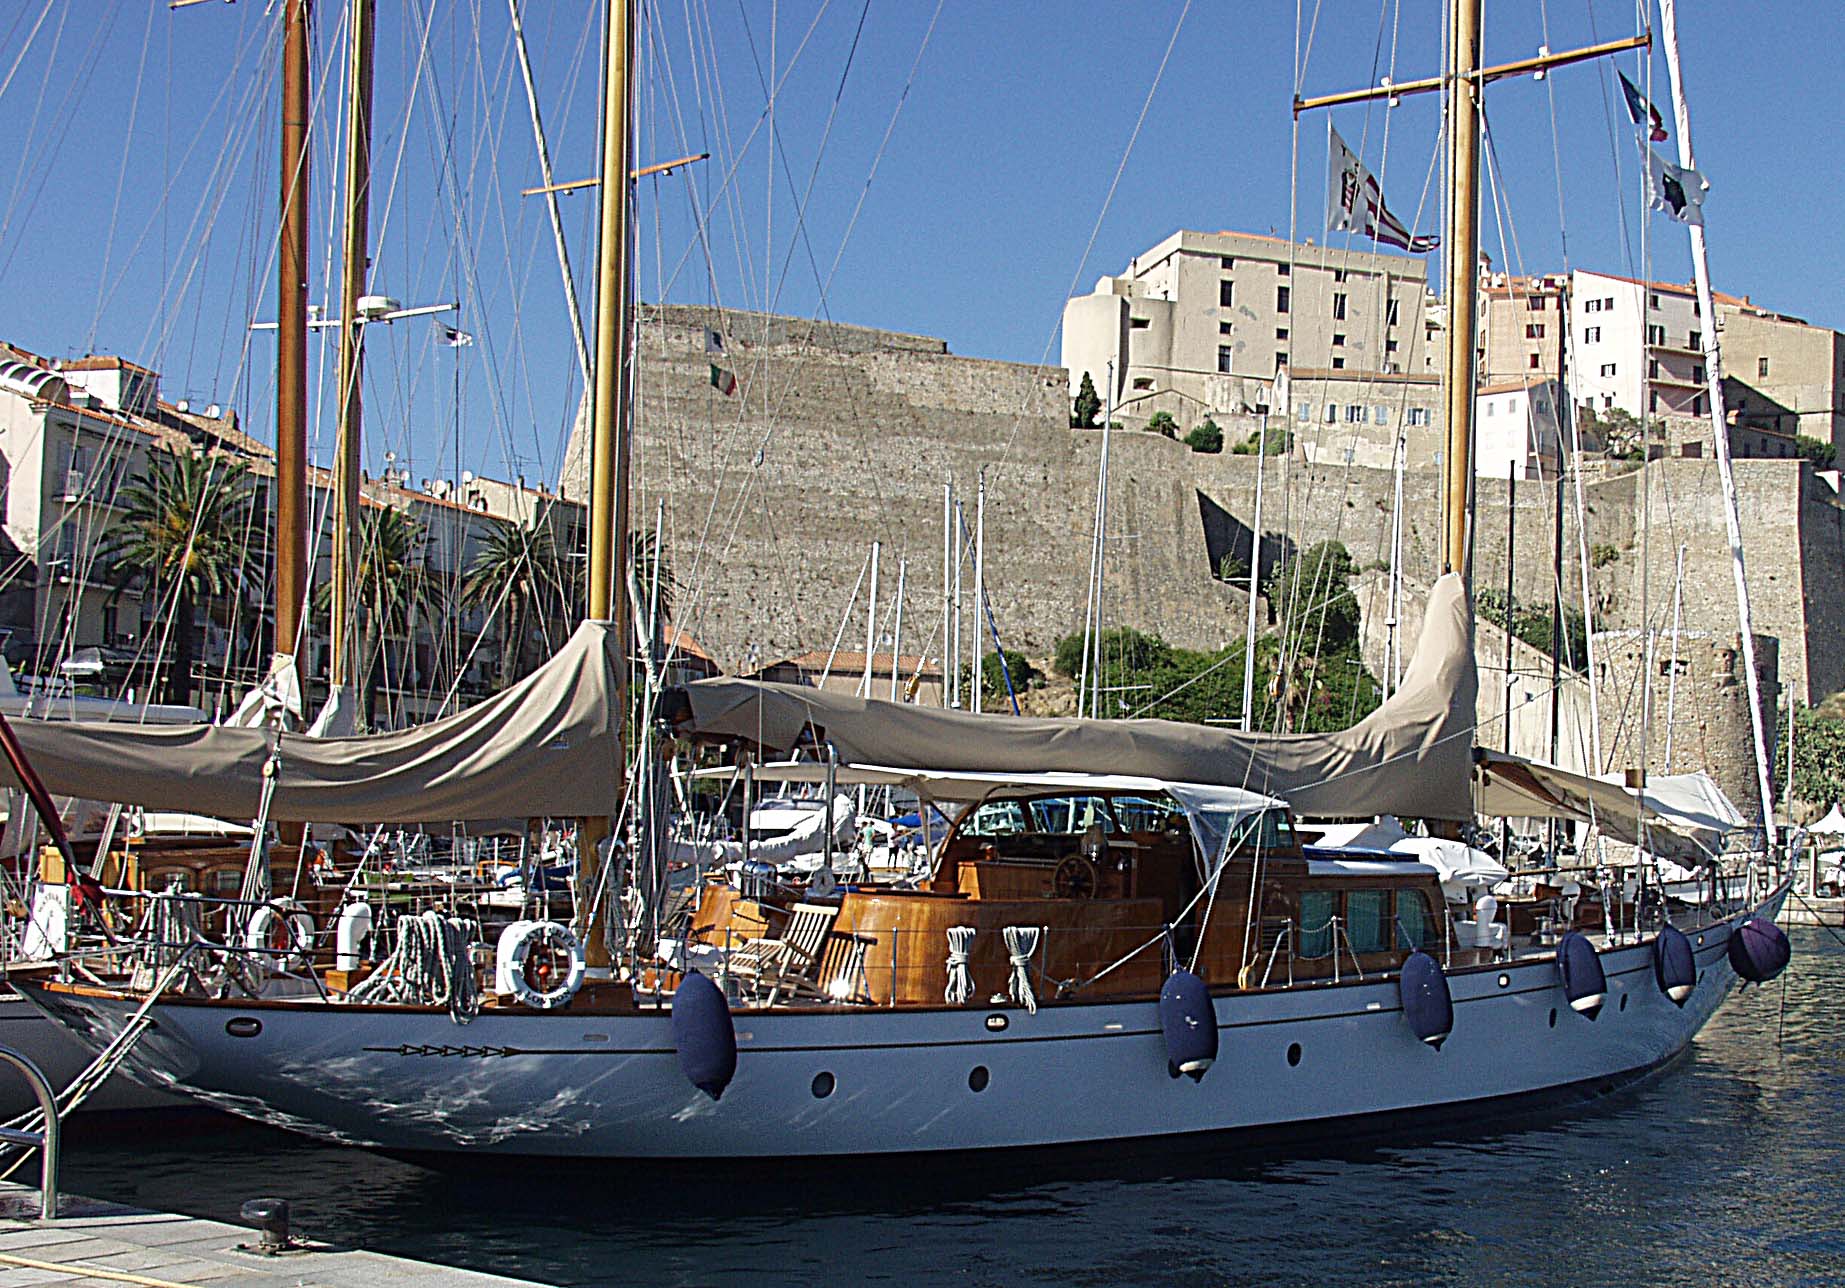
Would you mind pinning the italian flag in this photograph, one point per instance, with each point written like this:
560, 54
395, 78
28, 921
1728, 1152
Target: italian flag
722, 381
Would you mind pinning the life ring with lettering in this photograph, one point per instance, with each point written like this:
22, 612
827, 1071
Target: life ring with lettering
541, 963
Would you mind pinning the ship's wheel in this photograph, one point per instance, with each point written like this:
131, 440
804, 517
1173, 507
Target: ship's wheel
1075, 877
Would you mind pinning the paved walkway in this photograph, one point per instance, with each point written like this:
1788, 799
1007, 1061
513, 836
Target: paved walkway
99, 1244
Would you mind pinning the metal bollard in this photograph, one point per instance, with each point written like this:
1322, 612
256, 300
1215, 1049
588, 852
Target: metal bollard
45, 1141
270, 1217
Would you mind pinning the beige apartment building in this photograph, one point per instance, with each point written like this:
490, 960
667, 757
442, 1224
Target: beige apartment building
1638, 346
1522, 326
1200, 323
1782, 367
73, 433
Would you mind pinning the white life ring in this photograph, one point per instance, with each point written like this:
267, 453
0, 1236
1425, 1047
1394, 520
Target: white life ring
283, 928
538, 982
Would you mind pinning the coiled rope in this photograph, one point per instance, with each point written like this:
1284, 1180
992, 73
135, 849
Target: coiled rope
430, 966
960, 980
1021, 943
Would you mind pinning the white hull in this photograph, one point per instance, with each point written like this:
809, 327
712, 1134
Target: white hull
584, 1086
61, 1057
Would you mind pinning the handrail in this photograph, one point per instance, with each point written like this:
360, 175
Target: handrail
45, 1140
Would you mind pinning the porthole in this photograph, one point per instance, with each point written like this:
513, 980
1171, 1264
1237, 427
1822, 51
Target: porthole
996, 1023
1293, 1055
1505, 981
823, 1085
977, 1079
1700, 941
244, 1026
1553, 1017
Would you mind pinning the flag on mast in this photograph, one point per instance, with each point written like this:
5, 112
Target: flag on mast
1643, 112
1355, 202
454, 337
723, 381
714, 341
1677, 191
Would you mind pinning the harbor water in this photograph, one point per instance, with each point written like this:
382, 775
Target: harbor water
1723, 1168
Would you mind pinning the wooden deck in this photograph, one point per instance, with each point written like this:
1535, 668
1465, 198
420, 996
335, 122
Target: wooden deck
97, 1244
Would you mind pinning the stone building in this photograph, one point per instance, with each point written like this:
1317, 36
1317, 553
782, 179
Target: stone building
1200, 323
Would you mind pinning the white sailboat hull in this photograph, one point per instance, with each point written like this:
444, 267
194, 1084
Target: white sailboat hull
60, 1056
531, 1083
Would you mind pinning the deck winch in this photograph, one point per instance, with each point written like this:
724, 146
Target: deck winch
1759, 950
704, 1035
1585, 984
1189, 1022
1675, 966
1427, 1003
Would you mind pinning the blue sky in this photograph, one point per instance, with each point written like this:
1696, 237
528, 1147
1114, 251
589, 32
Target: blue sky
137, 199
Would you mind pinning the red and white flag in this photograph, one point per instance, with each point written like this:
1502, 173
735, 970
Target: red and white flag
1355, 202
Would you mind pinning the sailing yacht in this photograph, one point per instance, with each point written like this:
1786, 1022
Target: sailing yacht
1121, 937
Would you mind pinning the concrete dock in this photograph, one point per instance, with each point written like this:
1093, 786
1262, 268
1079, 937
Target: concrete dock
1810, 910
97, 1244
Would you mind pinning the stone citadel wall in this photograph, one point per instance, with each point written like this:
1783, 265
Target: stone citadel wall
842, 435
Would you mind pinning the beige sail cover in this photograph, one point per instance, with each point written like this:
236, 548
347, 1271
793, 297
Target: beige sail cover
1686, 816
546, 746
1409, 757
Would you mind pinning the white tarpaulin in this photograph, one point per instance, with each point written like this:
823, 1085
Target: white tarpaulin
1832, 825
1459, 864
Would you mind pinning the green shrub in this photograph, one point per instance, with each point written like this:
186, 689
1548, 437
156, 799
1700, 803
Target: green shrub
1206, 437
1823, 454
1534, 626
1601, 554
1311, 597
993, 674
1161, 422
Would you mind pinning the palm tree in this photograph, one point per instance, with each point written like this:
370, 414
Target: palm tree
184, 529
393, 585
518, 569
642, 558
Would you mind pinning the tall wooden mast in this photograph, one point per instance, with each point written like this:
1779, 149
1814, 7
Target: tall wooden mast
1462, 84
1462, 262
343, 666
291, 334
610, 429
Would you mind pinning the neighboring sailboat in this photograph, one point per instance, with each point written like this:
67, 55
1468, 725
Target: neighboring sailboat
1120, 907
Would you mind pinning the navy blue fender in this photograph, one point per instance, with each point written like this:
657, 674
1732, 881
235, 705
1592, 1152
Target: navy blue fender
703, 1035
1189, 1022
1584, 981
1674, 966
1759, 950
1427, 1004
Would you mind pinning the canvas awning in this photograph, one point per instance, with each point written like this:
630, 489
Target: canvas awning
1408, 757
1681, 818
548, 745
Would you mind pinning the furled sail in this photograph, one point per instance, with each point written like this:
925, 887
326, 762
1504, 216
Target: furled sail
1410, 757
546, 746
1686, 816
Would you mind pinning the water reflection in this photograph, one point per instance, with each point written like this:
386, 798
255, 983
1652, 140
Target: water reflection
1722, 1168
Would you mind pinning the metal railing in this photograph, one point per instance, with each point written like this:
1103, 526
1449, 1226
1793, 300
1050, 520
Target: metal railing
44, 1140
